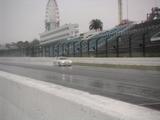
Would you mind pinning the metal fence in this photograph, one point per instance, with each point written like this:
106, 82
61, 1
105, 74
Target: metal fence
127, 45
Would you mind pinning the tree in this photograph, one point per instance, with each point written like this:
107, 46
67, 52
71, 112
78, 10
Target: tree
96, 24
26, 44
35, 42
7, 45
20, 44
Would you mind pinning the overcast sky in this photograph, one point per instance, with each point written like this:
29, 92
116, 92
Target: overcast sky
24, 19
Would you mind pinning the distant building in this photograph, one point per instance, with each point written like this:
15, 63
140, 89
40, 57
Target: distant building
55, 32
64, 32
155, 14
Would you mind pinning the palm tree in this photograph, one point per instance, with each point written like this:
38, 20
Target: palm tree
96, 24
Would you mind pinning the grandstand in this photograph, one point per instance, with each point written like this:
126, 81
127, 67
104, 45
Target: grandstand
124, 40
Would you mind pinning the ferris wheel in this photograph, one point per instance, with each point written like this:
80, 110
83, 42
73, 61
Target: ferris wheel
52, 15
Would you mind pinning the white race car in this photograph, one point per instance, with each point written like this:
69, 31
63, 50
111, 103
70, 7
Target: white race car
62, 61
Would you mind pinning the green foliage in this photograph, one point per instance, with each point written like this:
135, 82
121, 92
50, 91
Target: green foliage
96, 24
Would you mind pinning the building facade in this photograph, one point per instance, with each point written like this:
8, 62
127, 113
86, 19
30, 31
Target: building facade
64, 32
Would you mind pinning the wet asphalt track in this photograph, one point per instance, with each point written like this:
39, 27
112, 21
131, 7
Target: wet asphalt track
141, 87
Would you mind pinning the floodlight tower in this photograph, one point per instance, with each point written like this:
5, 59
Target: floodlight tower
120, 16
52, 15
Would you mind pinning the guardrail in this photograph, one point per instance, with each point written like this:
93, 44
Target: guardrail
22, 98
